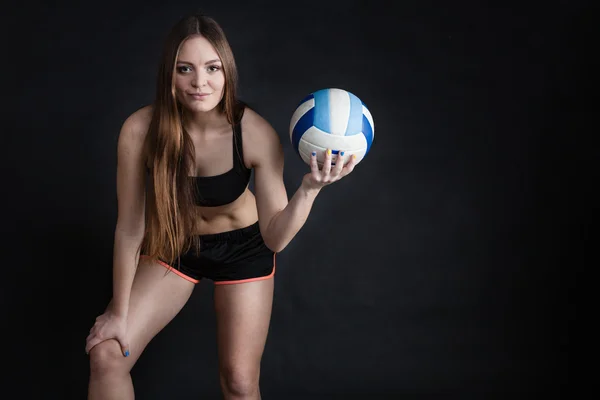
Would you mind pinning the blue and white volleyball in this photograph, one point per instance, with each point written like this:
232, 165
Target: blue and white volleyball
332, 119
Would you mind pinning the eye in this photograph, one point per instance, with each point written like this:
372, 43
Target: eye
181, 69
214, 68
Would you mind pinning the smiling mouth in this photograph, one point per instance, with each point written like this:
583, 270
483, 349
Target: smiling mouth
199, 96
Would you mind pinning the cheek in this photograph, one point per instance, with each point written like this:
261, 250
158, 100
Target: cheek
180, 83
219, 81
181, 86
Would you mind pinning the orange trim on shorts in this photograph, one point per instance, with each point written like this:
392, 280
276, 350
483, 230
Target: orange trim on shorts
167, 266
262, 278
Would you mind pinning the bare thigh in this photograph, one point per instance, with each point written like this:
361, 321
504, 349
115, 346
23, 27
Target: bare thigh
243, 315
156, 298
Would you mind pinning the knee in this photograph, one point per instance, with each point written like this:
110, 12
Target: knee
106, 358
240, 381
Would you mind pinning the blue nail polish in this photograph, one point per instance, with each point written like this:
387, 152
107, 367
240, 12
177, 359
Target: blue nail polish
341, 153
314, 153
127, 353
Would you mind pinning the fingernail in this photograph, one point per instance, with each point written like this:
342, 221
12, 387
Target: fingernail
354, 156
127, 353
314, 153
328, 152
341, 153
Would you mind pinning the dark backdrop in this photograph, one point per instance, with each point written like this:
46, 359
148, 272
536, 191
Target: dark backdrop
445, 264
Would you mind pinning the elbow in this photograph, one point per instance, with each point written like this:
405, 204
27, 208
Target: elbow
136, 232
278, 249
274, 241
131, 227
271, 237
274, 245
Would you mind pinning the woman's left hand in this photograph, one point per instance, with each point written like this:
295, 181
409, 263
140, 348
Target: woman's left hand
327, 175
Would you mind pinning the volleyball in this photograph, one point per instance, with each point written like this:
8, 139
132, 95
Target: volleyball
332, 119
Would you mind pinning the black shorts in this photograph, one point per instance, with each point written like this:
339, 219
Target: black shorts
236, 256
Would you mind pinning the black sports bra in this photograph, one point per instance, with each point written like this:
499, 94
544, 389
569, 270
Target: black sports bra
218, 190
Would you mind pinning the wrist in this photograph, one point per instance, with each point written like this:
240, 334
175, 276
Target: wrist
309, 190
117, 311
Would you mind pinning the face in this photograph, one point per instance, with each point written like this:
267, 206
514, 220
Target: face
199, 77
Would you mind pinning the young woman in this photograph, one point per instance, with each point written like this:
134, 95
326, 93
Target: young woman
196, 217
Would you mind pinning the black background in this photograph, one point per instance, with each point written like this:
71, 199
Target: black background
447, 264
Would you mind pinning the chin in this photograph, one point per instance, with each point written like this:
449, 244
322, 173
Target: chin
201, 107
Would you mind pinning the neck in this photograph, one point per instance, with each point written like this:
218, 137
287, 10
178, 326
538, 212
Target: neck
202, 122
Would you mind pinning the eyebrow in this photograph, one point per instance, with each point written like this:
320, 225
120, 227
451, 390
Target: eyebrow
208, 62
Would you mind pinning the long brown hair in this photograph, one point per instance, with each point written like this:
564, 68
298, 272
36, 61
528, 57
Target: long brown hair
171, 212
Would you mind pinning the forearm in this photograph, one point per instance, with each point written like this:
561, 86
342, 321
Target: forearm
125, 260
286, 223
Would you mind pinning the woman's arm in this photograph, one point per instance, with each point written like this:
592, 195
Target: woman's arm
279, 219
284, 224
130, 225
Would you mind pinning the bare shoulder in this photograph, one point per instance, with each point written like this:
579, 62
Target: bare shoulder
136, 125
132, 138
260, 138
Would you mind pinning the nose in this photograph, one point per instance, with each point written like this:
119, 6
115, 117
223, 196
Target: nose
199, 80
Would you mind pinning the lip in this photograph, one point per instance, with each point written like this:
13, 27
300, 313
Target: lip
199, 96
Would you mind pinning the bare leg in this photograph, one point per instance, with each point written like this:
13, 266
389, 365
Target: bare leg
243, 316
155, 300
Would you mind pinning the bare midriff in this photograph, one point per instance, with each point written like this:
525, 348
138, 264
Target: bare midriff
239, 214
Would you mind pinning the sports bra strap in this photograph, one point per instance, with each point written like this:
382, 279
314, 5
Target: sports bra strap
238, 150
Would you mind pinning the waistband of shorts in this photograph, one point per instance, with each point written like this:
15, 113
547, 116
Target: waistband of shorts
236, 234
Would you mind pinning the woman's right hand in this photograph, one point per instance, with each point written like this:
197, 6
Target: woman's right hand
108, 326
